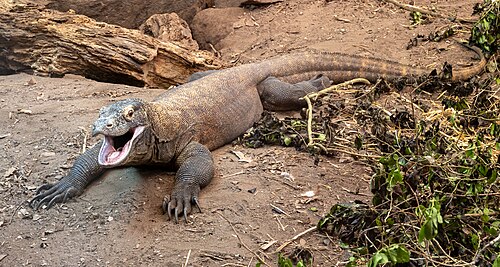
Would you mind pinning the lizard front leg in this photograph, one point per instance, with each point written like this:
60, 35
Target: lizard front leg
84, 170
196, 169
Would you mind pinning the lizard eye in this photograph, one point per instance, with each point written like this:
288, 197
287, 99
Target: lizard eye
129, 113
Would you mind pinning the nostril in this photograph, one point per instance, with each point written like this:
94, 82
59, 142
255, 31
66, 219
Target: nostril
109, 125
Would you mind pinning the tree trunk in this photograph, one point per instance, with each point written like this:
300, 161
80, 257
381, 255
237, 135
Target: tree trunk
48, 42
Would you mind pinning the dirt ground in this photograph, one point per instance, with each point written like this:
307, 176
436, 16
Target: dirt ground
45, 124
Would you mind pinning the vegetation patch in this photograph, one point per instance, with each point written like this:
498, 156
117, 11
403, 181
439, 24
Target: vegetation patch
434, 148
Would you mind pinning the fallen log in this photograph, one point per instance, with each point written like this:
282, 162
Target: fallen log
52, 43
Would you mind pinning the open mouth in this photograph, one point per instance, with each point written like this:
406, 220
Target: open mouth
115, 149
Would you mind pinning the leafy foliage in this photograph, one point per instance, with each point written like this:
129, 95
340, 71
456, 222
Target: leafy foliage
292, 261
393, 254
418, 18
486, 31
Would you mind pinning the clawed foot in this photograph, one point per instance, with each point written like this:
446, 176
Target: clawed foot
50, 194
182, 200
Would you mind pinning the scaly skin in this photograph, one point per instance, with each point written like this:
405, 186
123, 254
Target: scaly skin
184, 124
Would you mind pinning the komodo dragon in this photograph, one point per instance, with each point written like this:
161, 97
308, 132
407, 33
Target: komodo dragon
180, 127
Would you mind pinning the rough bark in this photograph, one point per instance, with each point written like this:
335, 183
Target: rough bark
48, 42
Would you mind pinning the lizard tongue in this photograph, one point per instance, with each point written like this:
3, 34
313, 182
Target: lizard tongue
113, 155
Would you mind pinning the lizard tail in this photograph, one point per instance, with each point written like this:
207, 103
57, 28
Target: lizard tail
340, 67
469, 72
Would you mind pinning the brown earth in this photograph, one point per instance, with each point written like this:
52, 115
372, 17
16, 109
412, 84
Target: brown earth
118, 221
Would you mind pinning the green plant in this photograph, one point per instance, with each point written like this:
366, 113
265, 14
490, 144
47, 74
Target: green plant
486, 31
287, 262
432, 220
392, 254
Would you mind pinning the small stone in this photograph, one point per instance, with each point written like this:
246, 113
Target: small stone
32, 81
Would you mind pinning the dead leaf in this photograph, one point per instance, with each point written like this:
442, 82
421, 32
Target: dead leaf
308, 194
238, 24
31, 187
287, 176
24, 213
241, 156
49, 232
47, 154
9, 172
268, 244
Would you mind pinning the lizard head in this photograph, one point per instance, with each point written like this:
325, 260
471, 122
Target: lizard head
123, 124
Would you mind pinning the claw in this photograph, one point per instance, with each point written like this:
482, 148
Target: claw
176, 213
54, 200
48, 198
32, 201
69, 193
185, 214
50, 194
196, 203
49, 190
164, 205
37, 205
180, 203
44, 187
169, 206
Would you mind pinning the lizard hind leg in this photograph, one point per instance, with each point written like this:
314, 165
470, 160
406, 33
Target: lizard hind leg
277, 95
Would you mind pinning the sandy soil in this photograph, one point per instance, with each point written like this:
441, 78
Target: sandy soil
45, 124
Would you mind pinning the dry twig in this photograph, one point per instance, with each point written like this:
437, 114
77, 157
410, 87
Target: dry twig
187, 258
241, 241
295, 238
315, 95
429, 12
